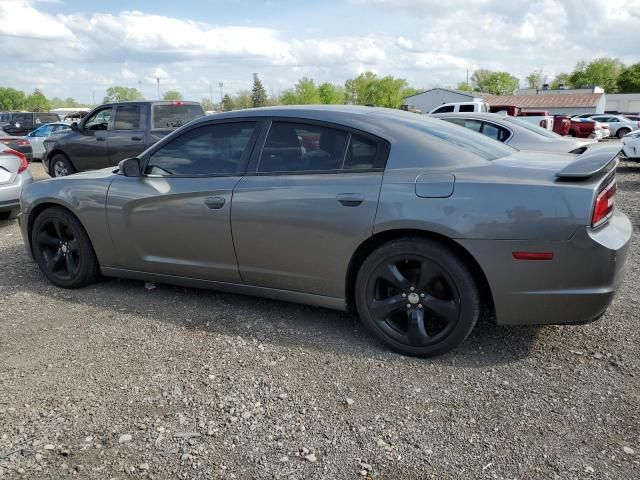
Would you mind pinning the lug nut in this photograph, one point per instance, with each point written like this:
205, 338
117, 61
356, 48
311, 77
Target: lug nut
419, 306
408, 305
412, 289
422, 295
404, 295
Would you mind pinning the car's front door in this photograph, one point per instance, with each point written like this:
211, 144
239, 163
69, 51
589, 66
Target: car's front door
175, 218
127, 139
310, 201
89, 149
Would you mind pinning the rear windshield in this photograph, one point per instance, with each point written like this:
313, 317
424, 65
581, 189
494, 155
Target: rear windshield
174, 115
534, 128
476, 143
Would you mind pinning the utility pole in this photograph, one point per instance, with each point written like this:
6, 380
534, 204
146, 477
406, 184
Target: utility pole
158, 80
220, 84
210, 94
140, 86
93, 94
467, 79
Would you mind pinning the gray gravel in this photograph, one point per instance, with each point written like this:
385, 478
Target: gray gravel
119, 381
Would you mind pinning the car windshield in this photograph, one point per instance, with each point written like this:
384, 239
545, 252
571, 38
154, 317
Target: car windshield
534, 128
176, 114
471, 141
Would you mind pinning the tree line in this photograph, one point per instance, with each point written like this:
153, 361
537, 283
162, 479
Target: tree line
367, 88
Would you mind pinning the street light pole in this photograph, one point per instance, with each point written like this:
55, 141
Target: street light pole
220, 84
158, 80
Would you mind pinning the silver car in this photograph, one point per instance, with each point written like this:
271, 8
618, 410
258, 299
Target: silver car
418, 225
516, 133
39, 135
619, 125
14, 175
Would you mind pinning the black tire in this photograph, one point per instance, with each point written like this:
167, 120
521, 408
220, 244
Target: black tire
61, 166
438, 318
622, 132
62, 249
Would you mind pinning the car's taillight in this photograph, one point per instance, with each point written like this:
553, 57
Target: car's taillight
23, 159
603, 207
177, 103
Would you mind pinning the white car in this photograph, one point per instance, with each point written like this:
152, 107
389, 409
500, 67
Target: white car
40, 134
461, 107
631, 145
619, 125
14, 175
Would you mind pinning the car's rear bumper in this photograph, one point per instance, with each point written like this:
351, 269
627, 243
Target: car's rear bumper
576, 286
10, 193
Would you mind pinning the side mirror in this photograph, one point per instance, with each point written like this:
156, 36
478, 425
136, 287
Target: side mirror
74, 126
129, 167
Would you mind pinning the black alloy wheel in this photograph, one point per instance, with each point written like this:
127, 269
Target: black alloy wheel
417, 296
62, 249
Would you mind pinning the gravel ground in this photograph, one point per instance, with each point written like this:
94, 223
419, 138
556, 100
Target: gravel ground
120, 381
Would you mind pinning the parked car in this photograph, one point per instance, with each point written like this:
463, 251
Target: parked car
19, 144
14, 175
461, 107
40, 134
539, 118
631, 145
516, 132
587, 128
416, 223
619, 125
25, 122
114, 131
635, 118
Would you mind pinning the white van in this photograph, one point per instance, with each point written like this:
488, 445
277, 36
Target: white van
463, 107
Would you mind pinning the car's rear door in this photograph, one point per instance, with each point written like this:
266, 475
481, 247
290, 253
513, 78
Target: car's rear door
175, 218
127, 139
308, 200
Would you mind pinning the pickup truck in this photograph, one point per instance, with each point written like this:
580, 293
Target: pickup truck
25, 122
541, 118
113, 132
587, 128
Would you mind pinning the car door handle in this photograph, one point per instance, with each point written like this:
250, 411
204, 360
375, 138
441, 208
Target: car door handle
214, 203
136, 138
350, 199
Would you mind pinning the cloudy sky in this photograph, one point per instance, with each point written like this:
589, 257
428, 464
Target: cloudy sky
80, 47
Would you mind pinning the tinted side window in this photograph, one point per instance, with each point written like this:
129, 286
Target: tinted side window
46, 118
24, 119
127, 117
297, 147
466, 108
474, 125
209, 150
448, 108
494, 131
362, 154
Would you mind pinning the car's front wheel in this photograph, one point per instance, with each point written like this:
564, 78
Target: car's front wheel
62, 249
61, 166
417, 296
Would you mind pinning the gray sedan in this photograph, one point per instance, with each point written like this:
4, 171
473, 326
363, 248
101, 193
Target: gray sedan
416, 224
619, 125
516, 132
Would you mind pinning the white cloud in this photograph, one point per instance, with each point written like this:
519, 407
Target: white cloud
428, 42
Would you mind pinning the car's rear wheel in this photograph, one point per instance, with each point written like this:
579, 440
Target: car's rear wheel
61, 166
417, 296
62, 249
622, 132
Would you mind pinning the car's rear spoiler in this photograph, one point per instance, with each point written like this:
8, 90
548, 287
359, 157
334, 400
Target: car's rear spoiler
596, 159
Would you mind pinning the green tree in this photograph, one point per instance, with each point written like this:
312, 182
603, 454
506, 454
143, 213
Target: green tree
258, 94
358, 90
227, 103
561, 79
289, 97
629, 79
330, 94
11, 99
601, 72
464, 87
536, 79
243, 100
307, 92
172, 95
37, 102
122, 94
207, 104
496, 83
